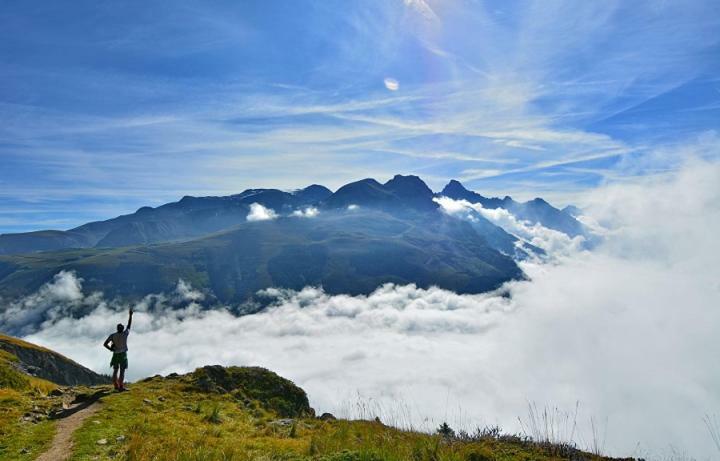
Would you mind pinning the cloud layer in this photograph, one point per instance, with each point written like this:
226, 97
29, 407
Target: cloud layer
628, 330
308, 212
260, 213
554, 242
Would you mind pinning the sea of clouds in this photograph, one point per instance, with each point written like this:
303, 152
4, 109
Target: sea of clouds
628, 331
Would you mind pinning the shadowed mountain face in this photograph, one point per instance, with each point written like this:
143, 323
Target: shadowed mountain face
363, 235
537, 211
188, 218
343, 251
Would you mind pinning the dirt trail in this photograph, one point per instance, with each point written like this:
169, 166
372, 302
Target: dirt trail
61, 447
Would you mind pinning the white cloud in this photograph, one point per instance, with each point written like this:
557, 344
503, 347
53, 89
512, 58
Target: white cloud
629, 331
422, 8
186, 293
260, 213
60, 297
556, 243
391, 84
352, 207
309, 212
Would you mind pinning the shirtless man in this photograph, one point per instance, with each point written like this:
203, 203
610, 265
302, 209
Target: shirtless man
117, 344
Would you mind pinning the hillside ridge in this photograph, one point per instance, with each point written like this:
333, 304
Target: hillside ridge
241, 413
39, 362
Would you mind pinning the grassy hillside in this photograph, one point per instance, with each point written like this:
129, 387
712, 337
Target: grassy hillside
13, 377
242, 414
166, 419
21, 396
38, 362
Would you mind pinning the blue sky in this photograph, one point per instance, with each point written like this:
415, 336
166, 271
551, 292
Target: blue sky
108, 106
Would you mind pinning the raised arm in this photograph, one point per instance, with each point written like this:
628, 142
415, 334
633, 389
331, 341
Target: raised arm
130, 319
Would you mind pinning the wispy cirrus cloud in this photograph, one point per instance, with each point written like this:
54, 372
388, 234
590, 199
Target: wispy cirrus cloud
534, 88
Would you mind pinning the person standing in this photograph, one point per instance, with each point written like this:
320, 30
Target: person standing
117, 344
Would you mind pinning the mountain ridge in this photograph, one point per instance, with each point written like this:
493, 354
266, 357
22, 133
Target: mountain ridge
536, 211
343, 251
191, 217
363, 235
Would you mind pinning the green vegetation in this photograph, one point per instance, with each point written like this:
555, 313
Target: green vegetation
209, 415
234, 413
22, 397
249, 384
18, 357
11, 377
345, 253
22, 438
172, 419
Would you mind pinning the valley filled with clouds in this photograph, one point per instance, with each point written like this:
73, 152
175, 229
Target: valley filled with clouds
625, 331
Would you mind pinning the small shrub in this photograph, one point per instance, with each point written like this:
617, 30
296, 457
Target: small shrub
446, 431
214, 415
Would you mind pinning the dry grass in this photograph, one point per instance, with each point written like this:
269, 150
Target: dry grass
163, 420
24, 344
20, 439
172, 419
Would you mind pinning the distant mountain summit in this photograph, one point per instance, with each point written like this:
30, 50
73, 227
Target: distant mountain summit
193, 217
455, 190
573, 211
401, 193
412, 192
536, 211
367, 192
312, 194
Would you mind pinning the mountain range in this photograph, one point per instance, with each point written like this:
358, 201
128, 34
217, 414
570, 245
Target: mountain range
349, 241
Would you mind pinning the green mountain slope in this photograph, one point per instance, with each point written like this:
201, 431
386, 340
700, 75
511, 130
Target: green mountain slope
342, 251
